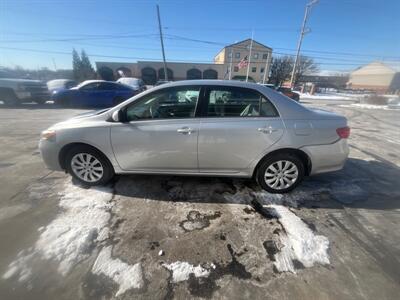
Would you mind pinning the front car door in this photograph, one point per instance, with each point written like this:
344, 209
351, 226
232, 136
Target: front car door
160, 132
238, 125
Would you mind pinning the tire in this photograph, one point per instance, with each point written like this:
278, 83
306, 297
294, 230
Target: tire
9, 98
63, 102
76, 163
291, 179
40, 101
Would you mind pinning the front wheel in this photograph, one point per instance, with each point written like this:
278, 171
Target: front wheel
280, 173
89, 166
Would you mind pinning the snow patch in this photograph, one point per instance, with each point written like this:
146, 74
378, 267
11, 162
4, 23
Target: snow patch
69, 238
369, 106
301, 247
126, 276
181, 271
330, 96
299, 243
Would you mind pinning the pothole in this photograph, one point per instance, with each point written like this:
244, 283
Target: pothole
198, 221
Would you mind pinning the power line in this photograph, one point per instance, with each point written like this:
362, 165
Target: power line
141, 58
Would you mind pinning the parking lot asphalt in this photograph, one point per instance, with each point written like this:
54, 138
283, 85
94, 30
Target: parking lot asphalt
162, 237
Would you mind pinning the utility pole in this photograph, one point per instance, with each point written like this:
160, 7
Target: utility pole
249, 60
266, 68
162, 44
303, 31
54, 64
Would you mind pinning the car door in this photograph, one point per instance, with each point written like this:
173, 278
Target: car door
159, 133
91, 94
239, 124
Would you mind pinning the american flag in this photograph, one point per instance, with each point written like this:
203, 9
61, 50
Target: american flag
243, 63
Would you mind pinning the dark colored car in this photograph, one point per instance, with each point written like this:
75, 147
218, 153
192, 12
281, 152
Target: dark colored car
289, 93
94, 93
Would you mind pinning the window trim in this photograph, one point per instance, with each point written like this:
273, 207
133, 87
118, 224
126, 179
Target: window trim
203, 108
196, 109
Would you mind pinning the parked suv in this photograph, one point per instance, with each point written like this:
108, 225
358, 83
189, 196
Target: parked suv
16, 91
201, 127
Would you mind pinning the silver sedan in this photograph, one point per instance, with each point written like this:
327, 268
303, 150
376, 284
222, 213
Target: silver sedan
201, 127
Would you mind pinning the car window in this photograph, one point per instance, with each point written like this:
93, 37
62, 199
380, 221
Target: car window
107, 86
170, 103
90, 86
238, 102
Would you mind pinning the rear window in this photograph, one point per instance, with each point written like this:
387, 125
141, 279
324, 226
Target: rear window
238, 102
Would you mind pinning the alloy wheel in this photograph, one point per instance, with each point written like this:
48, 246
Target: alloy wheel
87, 167
281, 174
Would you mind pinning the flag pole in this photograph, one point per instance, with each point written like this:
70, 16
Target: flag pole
230, 65
248, 63
266, 67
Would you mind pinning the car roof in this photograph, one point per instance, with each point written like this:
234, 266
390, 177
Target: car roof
213, 82
91, 81
289, 108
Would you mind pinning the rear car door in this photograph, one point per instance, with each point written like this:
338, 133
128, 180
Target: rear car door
238, 125
160, 132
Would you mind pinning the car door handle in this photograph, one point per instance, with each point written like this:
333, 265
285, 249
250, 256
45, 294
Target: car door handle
267, 130
185, 130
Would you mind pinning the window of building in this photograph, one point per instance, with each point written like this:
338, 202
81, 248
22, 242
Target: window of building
265, 55
237, 55
238, 102
235, 69
253, 69
255, 55
262, 70
229, 54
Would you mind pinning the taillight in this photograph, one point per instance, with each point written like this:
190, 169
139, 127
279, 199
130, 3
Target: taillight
343, 132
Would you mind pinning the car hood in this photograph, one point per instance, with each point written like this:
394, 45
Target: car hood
78, 120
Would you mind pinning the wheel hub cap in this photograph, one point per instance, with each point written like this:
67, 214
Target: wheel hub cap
87, 167
281, 174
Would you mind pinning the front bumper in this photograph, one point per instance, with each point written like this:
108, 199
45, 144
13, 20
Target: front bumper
49, 151
327, 158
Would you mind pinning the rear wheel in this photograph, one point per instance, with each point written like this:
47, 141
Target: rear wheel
9, 98
280, 173
88, 165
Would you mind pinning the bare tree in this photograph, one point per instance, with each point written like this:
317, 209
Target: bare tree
306, 66
282, 67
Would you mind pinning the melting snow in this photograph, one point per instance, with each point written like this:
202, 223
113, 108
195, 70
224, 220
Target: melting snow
181, 271
368, 106
68, 239
126, 276
299, 243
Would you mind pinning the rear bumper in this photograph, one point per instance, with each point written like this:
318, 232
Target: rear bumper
327, 158
49, 151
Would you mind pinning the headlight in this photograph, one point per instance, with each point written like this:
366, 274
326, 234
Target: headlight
48, 135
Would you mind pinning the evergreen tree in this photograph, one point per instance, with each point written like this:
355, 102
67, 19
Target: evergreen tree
76, 65
87, 70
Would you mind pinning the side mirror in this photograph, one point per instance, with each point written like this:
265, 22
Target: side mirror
116, 116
